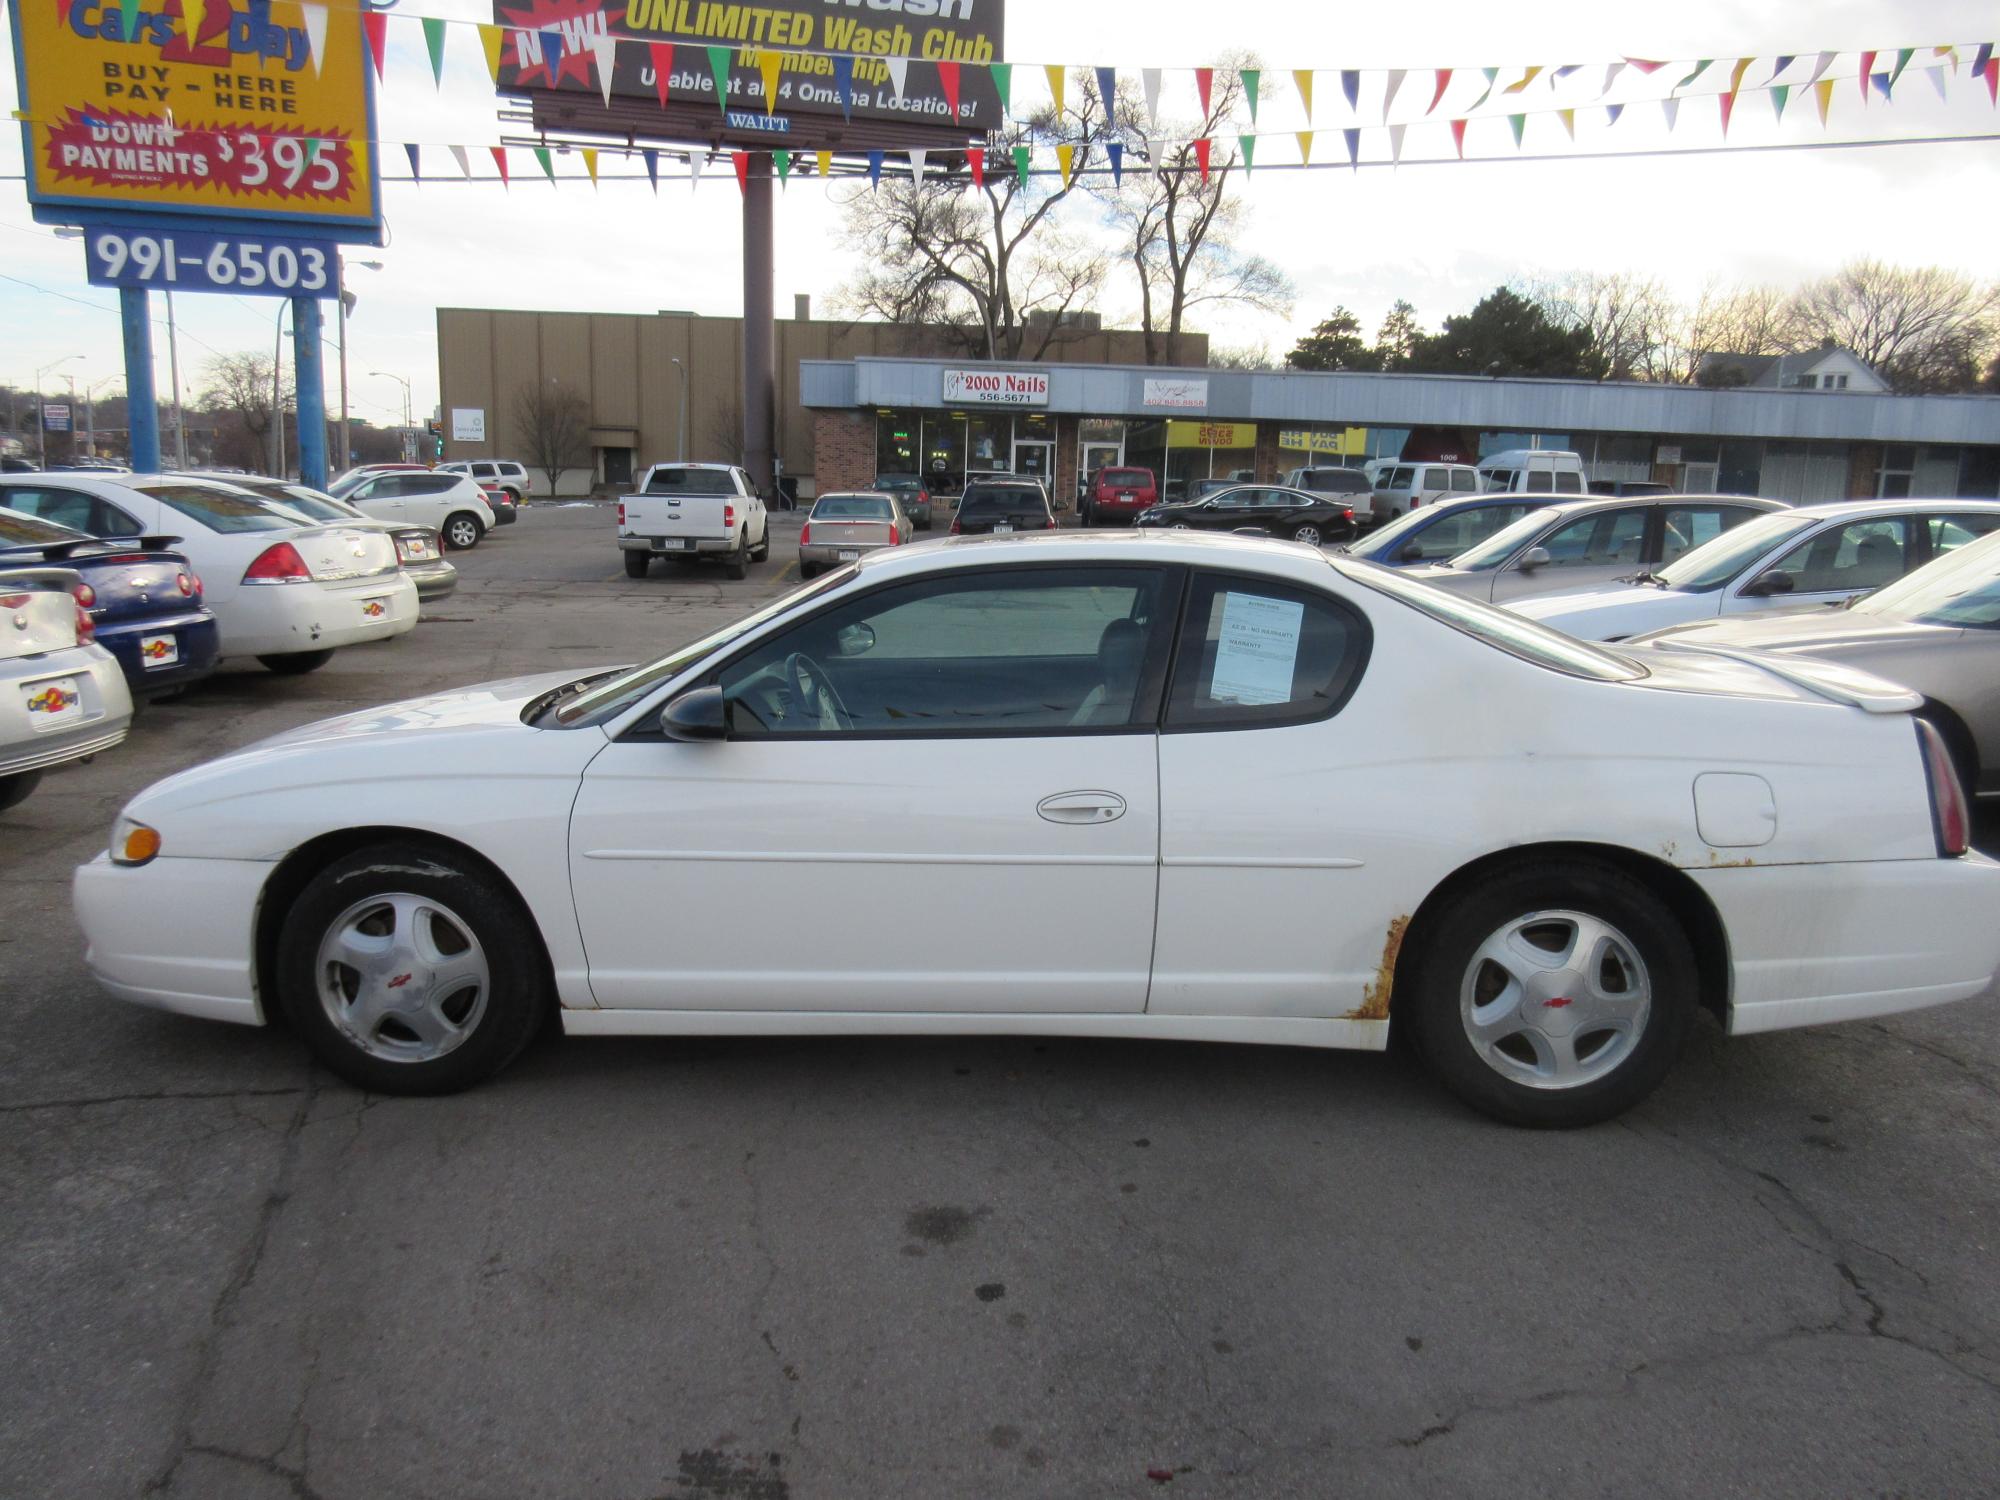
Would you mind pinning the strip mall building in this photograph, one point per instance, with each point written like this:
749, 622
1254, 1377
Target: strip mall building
859, 399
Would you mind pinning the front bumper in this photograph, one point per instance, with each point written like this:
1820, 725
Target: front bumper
1811, 944
141, 946
29, 741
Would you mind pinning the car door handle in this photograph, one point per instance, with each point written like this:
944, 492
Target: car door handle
1082, 807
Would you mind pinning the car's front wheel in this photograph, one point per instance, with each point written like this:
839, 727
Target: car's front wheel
463, 531
410, 970
1555, 995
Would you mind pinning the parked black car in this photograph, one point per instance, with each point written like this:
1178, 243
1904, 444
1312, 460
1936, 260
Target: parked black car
990, 505
1270, 508
912, 492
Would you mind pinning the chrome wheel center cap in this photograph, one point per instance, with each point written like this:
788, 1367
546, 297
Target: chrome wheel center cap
1550, 1004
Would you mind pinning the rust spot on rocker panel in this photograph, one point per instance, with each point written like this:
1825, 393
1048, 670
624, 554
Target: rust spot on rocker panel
1374, 1004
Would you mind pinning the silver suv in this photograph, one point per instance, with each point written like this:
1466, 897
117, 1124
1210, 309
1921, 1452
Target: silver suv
494, 474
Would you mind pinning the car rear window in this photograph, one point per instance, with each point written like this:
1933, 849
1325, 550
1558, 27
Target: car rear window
219, 510
1336, 481
28, 531
691, 482
850, 508
980, 501
1132, 478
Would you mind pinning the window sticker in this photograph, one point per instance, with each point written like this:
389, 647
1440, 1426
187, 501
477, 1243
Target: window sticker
1258, 649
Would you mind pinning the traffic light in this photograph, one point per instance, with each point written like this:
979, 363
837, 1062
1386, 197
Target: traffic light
436, 426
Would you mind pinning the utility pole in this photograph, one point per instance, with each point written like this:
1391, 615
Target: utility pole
278, 391
346, 300
174, 369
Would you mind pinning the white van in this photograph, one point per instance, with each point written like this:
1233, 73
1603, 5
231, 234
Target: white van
1403, 487
1534, 471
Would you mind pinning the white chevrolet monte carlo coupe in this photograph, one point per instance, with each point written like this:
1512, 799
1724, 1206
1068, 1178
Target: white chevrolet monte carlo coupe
1155, 785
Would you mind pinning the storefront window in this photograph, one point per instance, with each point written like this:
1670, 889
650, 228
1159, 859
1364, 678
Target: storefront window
989, 444
944, 449
1035, 447
1100, 443
896, 437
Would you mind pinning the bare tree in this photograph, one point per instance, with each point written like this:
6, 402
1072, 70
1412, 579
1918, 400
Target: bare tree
1180, 224
1627, 317
990, 262
1923, 329
553, 422
237, 393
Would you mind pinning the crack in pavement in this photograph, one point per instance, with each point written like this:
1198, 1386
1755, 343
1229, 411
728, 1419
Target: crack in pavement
167, 1095
296, 1478
251, 1257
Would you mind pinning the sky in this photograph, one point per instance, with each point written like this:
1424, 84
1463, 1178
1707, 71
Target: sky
1439, 235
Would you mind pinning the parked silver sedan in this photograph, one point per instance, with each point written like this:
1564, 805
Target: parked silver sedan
1936, 631
846, 524
62, 696
1575, 543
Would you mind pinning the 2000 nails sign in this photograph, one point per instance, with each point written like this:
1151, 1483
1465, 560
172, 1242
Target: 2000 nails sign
236, 107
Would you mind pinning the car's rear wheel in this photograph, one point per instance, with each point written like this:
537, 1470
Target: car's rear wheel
411, 971
297, 663
636, 564
1308, 534
808, 570
738, 563
764, 547
1556, 994
462, 531
14, 789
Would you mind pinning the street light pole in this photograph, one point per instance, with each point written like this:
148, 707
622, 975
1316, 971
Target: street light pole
340, 286
41, 416
278, 390
681, 453
384, 374
174, 369
90, 415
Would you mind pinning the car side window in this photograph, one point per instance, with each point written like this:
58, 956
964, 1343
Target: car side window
1464, 480
1255, 653
64, 507
1949, 533
1688, 526
429, 484
1569, 483
993, 652
1859, 555
1613, 537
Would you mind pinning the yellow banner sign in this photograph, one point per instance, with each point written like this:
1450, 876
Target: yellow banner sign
1349, 442
254, 109
1212, 434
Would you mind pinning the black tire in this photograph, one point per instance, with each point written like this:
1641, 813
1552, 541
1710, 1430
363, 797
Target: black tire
297, 663
14, 790
462, 531
636, 564
1311, 535
515, 998
1444, 977
737, 563
1085, 516
808, 570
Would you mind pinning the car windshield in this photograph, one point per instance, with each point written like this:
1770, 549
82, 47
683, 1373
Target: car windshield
1961, 589
1703, 569
850, 508
1503, 544
691, 482
611, 698
17, 530
1499, 628
896, 482
218, 509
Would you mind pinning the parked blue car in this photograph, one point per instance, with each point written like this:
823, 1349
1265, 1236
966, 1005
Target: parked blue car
143, 599
1443, 529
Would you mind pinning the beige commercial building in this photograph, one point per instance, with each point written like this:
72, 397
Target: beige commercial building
635, 371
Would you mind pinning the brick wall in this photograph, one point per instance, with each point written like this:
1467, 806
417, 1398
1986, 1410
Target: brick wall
843, 450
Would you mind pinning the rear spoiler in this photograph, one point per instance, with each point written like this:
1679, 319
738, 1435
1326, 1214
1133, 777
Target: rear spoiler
1836, 684
126, 543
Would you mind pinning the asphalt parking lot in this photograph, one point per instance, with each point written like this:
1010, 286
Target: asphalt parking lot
772, 1270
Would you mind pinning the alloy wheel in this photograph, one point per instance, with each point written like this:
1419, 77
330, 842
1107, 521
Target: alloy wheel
1555, 999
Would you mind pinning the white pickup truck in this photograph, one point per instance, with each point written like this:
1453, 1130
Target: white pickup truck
694, 511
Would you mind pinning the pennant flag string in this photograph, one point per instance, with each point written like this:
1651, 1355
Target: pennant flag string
1250, 78
1443, 83
434, 44
1302, 80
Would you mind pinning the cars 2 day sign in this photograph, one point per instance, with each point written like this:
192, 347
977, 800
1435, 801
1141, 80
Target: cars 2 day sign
242, 108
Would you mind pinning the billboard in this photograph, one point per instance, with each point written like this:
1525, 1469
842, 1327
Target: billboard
662, 57
991, 387
218, 108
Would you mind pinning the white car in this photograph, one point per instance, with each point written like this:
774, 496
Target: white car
494, 474
1788, 560
286, 593
62, 696
1152, 785
450, 504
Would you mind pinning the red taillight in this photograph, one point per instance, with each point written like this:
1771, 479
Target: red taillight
621, 512
1348, 514
923, 497
86, 628
1414, 502
186, 584
1052, 524
14, 601
728, 515
279, 563
84, 594
895, 535
1949, 820
954, 526
805, 533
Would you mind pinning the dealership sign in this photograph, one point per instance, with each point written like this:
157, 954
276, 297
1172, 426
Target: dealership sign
227, 108
996, 388
468, 424
55, 416
1182, 394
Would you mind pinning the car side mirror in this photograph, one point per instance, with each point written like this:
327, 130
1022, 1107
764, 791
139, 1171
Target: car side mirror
857, 639
1766, 584
1535, 557
698, 714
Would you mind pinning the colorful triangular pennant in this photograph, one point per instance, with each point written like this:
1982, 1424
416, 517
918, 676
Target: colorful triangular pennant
1250, 77
1057, 75
1391, 86
1302, 79
416, 163
434, 44
1002, 75
1437, 93
315, 19
898, 65
718, 68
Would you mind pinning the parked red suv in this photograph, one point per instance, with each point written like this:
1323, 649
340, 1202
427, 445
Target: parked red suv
1118, 495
